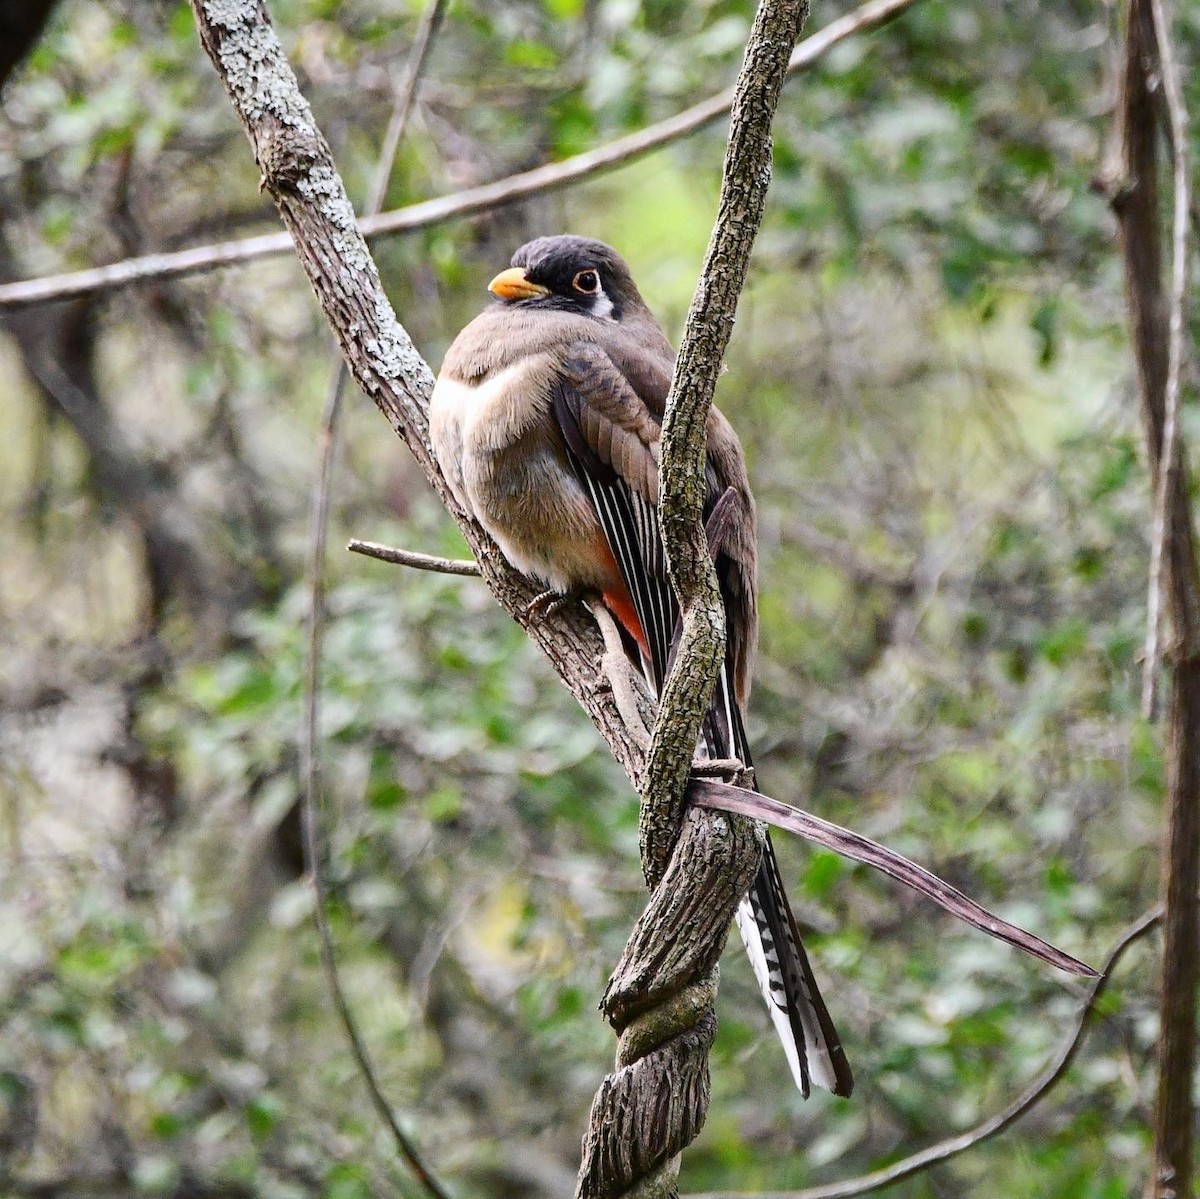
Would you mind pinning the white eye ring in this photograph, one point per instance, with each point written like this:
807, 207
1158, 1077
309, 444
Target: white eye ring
587, 282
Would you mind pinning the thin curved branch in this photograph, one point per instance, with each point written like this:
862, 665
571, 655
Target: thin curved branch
431, 22
951, 1147
708, 793
550, 177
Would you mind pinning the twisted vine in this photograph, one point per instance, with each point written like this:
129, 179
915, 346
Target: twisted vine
699, 865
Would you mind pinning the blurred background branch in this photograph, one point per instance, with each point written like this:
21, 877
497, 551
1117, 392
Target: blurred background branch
467, 203
1150, 80
312, 841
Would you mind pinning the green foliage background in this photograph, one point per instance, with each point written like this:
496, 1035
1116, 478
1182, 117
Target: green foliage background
931, 377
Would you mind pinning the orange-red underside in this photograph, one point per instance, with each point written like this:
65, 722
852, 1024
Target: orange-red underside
618, 600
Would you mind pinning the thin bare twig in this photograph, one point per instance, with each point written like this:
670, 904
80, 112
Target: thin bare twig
390, 553
550, 177
431, 21
310, 748
994, 1125
1169, 464
709, 793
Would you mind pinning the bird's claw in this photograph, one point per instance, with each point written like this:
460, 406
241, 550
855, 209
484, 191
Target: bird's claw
552, 601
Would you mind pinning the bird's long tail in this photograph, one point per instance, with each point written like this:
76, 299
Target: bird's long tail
650, 616
773, 943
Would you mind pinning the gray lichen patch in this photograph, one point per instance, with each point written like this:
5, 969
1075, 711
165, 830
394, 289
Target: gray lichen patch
227, 13
394, 355
323, 189
255, 67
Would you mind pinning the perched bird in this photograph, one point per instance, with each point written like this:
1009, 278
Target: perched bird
546, 421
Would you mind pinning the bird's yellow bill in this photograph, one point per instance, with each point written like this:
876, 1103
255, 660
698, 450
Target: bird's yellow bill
512, 284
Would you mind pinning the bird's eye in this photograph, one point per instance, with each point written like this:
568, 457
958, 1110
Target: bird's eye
587, 282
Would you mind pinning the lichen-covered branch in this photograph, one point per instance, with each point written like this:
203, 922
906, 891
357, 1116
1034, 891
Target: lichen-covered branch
699, 865
746, 176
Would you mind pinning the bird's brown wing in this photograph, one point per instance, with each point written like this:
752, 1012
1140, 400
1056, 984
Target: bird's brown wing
612, 441
612, 437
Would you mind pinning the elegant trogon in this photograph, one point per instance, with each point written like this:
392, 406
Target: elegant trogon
546, 421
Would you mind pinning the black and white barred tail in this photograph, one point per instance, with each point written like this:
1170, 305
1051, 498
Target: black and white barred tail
630, 523
768, 929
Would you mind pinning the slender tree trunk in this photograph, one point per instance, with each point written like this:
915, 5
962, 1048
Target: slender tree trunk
1135, 196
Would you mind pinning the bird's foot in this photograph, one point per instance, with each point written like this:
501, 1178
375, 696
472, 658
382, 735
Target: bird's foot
728, 770
552, 601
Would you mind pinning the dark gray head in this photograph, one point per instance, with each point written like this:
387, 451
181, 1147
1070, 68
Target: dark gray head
569, 274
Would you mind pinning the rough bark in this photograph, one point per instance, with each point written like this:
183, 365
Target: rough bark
1134, 191
744, 183
660, 998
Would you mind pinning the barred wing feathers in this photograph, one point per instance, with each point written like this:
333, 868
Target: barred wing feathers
612, 442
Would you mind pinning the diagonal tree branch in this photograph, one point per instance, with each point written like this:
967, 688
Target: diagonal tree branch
298, 172
725, 797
